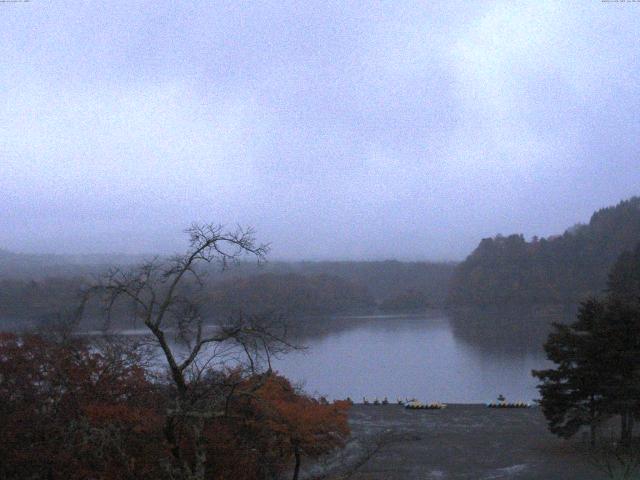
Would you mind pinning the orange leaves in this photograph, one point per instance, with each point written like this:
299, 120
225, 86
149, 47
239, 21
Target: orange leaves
71, 412
303, 421
271, 424
74, 412
137, 419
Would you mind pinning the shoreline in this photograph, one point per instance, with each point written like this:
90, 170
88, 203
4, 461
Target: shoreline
462, 441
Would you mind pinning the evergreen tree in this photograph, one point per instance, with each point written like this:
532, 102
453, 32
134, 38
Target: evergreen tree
573, 393
598, 359
619, 360
624, 278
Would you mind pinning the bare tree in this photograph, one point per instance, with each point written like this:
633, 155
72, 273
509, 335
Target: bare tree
166, 296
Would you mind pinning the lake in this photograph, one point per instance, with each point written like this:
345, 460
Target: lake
468, 357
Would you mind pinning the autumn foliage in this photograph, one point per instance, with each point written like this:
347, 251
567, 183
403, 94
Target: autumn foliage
73, 411
281, 425
68, 412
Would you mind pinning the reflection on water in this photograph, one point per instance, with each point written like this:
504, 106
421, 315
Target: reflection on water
466, 356
463, 357
498, 331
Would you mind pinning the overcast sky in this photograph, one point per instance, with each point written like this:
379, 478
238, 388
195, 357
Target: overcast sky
338, 130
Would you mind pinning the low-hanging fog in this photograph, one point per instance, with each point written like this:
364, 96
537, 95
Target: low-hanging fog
363, 131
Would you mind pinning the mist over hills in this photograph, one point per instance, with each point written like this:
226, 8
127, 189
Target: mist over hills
34, 288
503, 270
38, 266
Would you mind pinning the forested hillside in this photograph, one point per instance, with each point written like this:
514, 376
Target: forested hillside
390, 282
558, 269
40, 266
36, 288
289, 294
37, 300
26, 302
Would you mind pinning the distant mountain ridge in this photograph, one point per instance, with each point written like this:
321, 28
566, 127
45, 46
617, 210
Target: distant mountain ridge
558, 269
41, 265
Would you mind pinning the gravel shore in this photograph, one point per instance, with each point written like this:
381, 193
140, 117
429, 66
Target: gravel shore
460, 442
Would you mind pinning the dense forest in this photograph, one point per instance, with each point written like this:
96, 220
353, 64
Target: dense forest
35, 302
390, 282
39, 266
559, 269
288, 294
37, 288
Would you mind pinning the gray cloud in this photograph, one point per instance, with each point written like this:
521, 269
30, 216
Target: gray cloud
338, 130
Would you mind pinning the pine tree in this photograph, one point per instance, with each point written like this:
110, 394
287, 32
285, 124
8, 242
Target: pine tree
624, 277
619, 335
598, 359
573, 393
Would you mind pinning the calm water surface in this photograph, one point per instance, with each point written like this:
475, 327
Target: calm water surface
434, 357
454, 357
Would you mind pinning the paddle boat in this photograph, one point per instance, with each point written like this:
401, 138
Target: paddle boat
508, 405
416, 405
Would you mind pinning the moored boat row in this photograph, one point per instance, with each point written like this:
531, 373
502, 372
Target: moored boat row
425, 406
508, 405
413, 403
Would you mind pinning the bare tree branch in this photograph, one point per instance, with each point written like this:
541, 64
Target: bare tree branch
166, 297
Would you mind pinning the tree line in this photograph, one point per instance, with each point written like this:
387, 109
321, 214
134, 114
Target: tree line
295, 289
40, 301
560, 269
